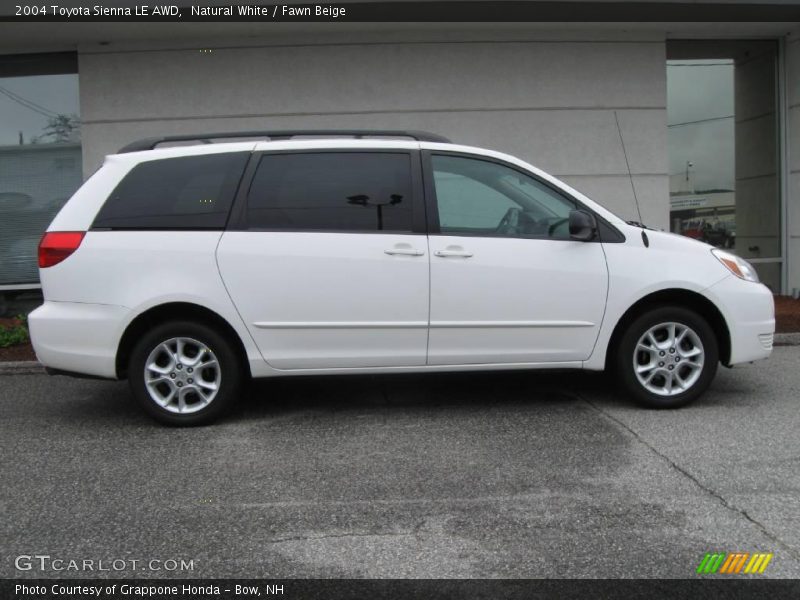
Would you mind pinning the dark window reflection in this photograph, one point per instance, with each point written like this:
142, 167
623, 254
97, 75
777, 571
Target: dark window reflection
188, 192
332, 191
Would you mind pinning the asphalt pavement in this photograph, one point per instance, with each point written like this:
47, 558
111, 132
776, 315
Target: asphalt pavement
444, 475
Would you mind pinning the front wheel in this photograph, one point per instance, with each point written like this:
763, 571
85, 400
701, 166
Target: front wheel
667, 357
185, 373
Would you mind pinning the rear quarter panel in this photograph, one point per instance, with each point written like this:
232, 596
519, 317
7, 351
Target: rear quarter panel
138, 270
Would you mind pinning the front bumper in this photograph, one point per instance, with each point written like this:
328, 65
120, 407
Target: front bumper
749, 310
78, 337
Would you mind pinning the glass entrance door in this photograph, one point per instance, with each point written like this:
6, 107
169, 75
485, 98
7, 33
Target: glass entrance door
722, 111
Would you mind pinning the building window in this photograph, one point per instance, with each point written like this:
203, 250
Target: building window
40, 155
723, 148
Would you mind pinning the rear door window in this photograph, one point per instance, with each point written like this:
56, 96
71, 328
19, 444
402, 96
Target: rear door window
332, 191
188, 192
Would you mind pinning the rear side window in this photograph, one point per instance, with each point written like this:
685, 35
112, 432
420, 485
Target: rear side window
332, 191
189, 192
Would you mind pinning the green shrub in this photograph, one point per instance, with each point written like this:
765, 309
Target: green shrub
11, 335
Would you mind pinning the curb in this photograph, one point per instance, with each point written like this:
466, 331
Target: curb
786, 339
21, 367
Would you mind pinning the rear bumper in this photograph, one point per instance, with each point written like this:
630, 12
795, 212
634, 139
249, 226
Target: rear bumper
78, 338
749, 310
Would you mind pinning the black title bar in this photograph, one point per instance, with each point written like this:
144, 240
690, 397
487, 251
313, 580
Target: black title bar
415, 11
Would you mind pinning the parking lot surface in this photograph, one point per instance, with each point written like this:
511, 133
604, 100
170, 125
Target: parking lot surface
459, 475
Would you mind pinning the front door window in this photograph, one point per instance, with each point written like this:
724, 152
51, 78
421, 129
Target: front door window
482, 198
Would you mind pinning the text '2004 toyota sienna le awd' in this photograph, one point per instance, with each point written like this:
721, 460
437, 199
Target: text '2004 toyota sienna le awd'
188, 270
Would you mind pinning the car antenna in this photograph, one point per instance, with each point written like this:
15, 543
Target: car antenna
628, 165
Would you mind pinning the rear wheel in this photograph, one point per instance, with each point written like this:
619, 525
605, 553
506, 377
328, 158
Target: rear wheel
185, 373
667, 357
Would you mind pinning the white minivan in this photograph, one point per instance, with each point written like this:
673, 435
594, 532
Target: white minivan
190, 269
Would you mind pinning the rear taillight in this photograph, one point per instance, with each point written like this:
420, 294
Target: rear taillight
58, 245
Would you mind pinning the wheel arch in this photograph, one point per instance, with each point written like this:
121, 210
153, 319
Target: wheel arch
175, 311
675, 297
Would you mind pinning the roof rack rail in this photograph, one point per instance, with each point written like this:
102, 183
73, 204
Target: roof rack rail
205, 138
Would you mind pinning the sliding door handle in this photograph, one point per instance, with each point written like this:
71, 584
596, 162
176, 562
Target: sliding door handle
404, 252
453, 253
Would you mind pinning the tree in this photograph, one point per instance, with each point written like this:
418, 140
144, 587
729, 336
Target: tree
60, 129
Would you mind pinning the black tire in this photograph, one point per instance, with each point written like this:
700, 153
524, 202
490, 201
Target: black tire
231, 376
624, 359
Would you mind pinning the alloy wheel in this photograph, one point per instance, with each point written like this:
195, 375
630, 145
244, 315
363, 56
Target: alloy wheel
668, 359
182, 375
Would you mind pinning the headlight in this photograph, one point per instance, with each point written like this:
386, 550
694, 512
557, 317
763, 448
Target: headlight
738, 266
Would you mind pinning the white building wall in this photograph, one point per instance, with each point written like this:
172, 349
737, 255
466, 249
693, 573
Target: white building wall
554, 102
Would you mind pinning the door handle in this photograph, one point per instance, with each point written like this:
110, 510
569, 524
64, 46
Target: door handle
403, 252
453, 253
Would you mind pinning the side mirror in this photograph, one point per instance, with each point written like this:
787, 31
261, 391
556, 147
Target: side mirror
582, 226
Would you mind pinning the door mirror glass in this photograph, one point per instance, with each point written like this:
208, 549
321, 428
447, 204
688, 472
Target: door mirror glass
582, 226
